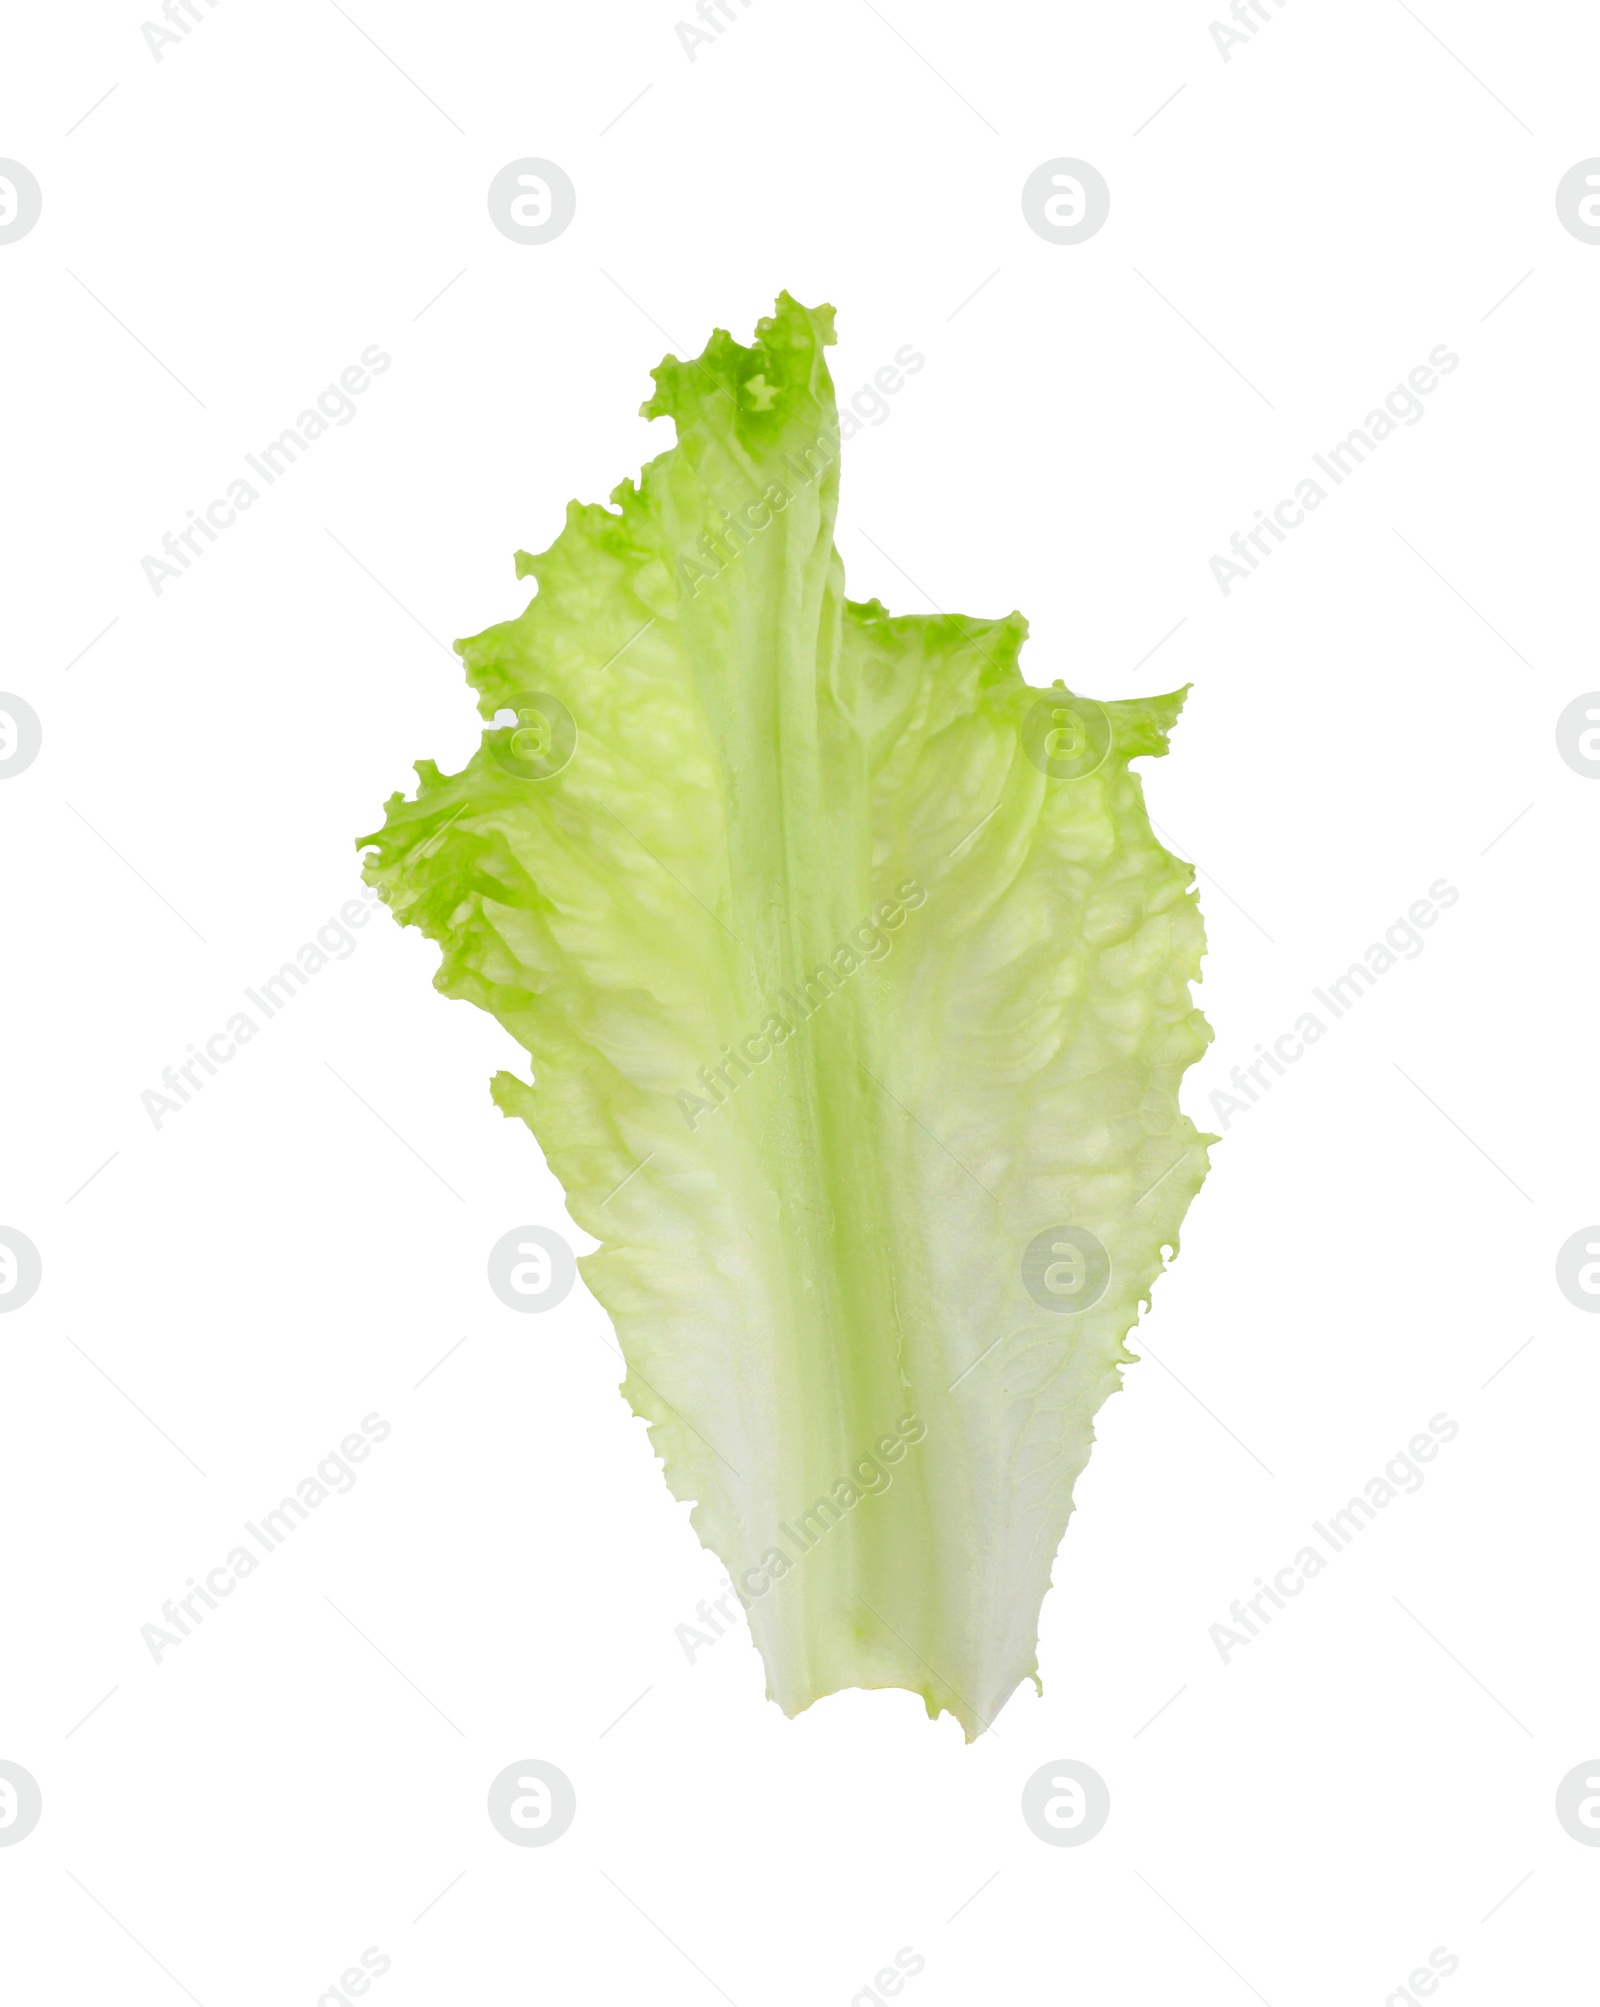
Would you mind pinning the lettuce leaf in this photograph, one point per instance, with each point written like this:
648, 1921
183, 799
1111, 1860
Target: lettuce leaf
851, 976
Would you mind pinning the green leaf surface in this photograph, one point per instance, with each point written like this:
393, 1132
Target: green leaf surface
847, 967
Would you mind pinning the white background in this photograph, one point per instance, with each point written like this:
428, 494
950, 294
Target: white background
1289, 236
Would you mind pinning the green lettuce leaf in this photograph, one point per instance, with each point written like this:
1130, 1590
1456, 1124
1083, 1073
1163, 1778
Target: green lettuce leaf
851, 975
